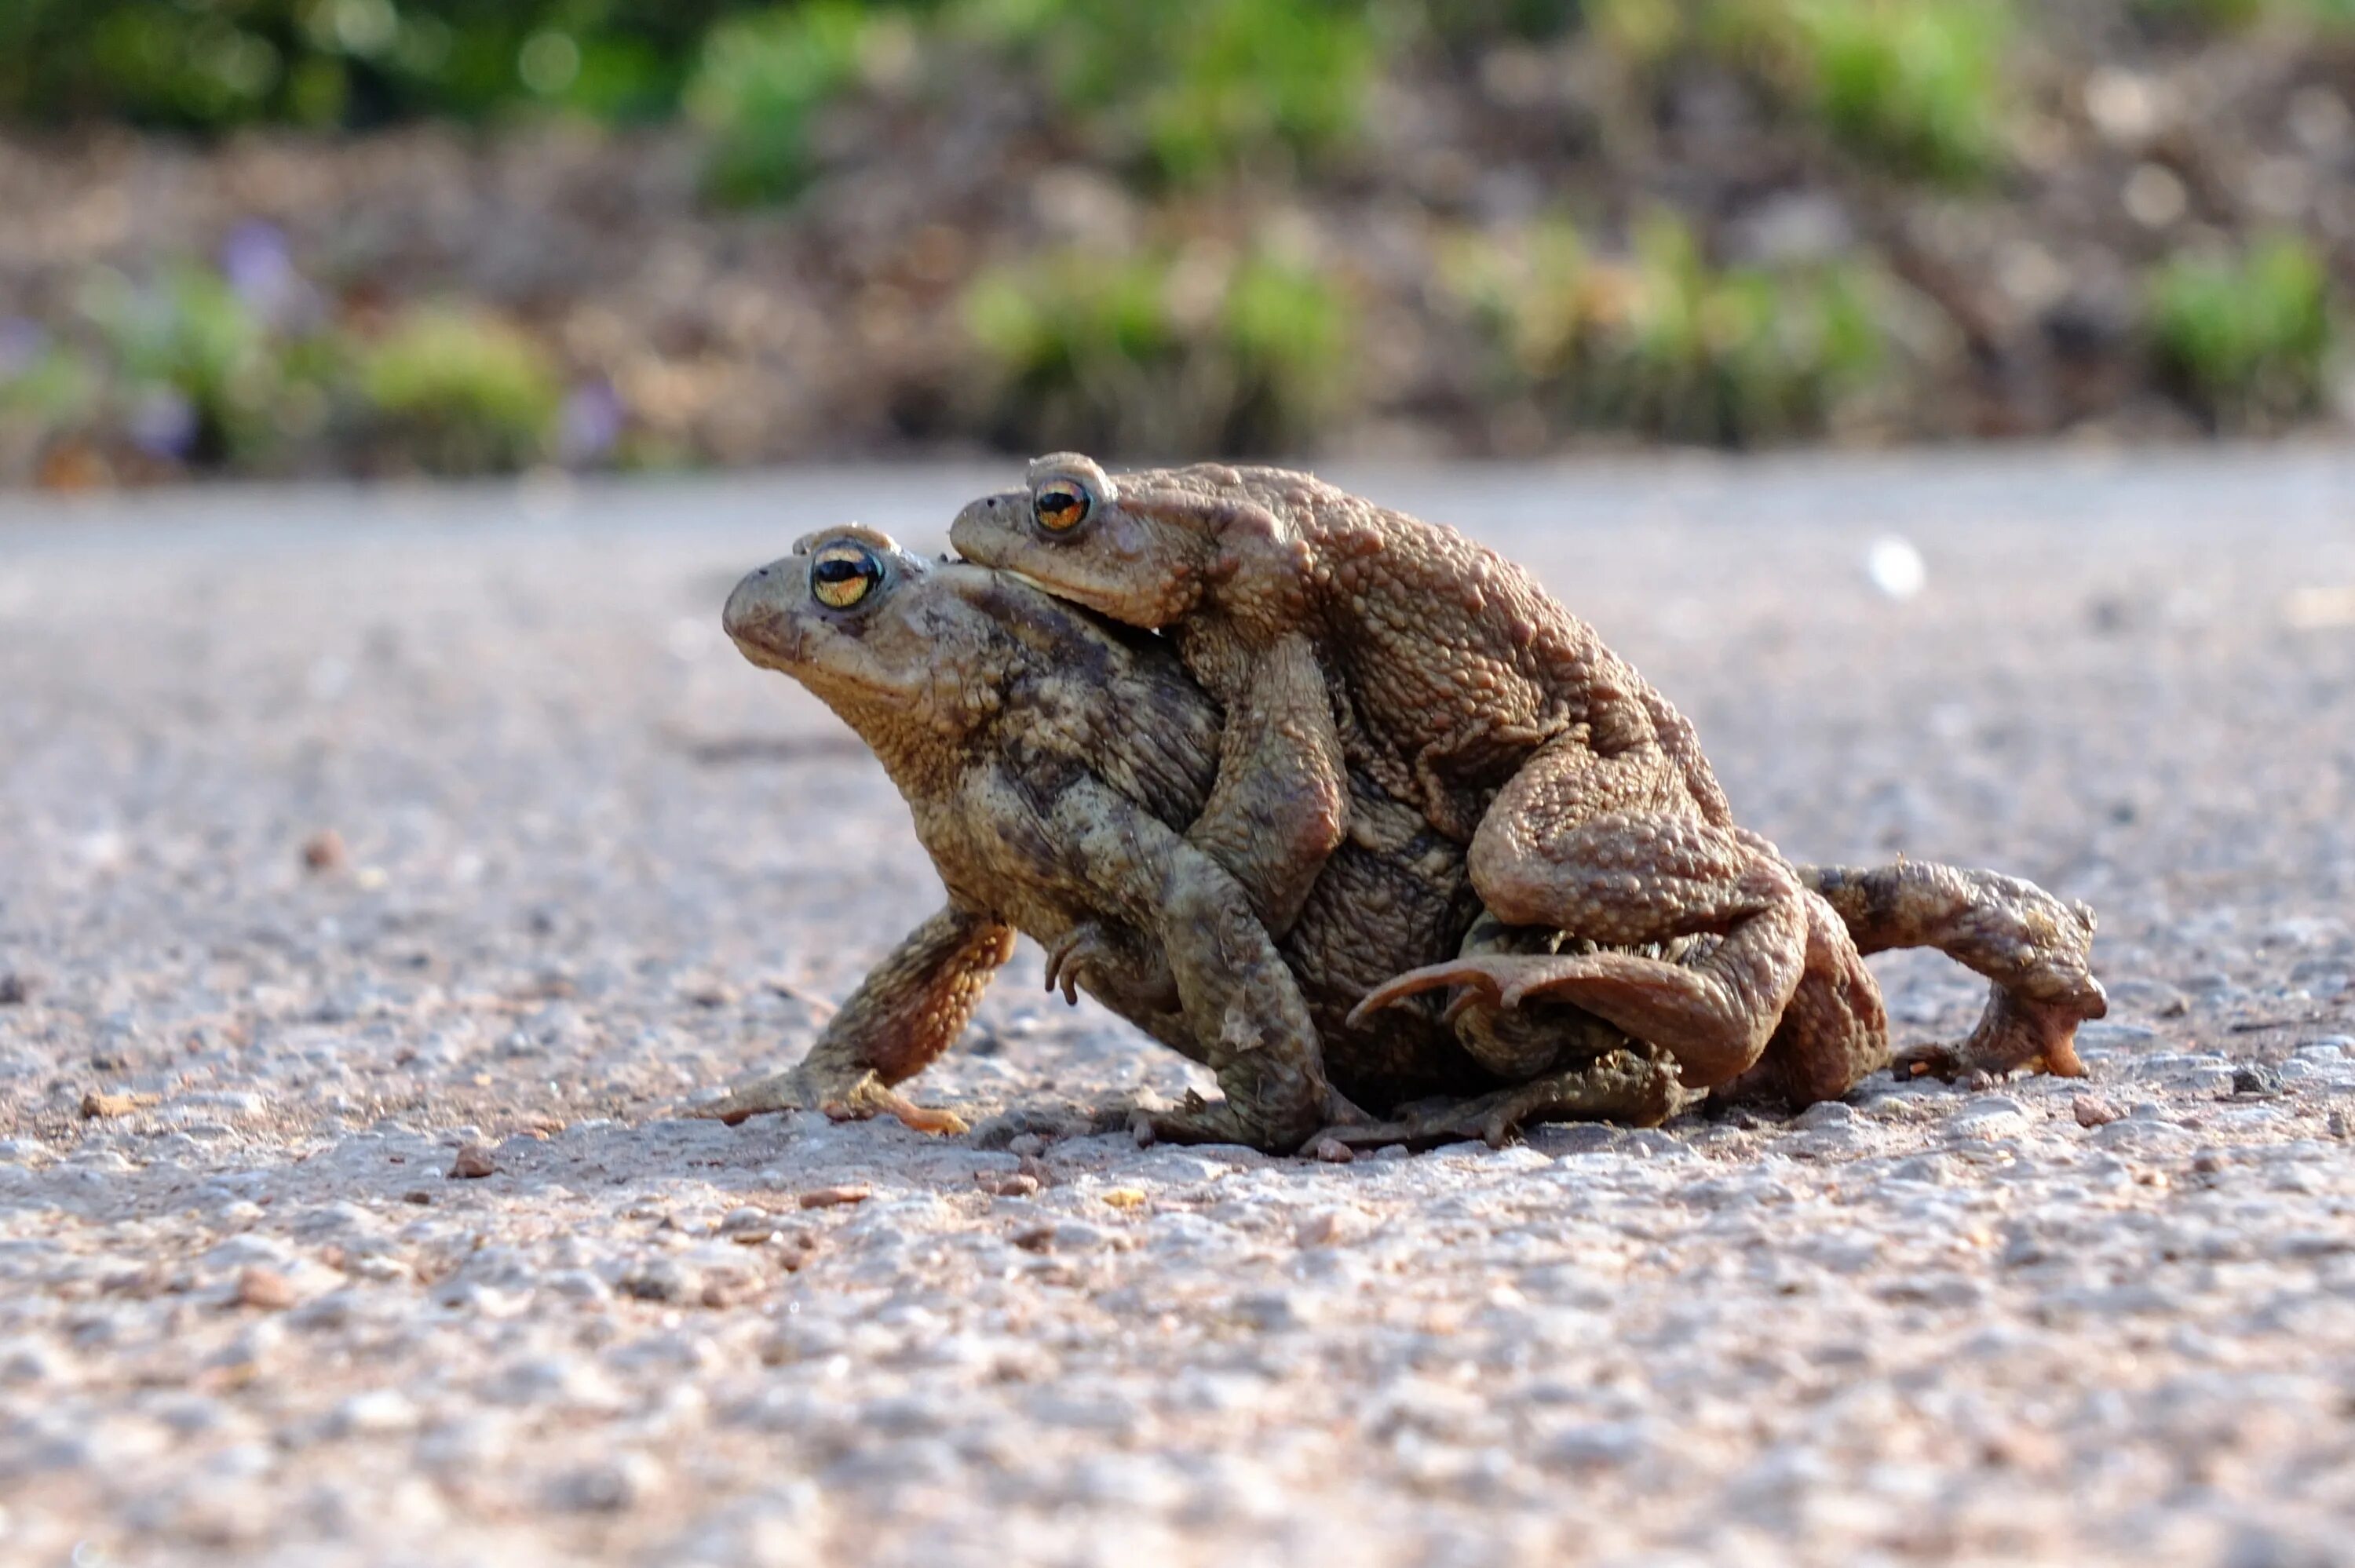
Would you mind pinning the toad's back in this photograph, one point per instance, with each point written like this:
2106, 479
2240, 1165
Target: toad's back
1450, 665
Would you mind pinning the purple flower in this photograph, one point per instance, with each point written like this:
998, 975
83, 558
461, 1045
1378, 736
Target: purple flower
163, 423
21, 343
255, 260
593, 420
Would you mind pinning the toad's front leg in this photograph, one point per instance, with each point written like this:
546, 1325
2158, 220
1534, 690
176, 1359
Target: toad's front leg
908, 1009
1280, 804
1242, 1006
1247, 1015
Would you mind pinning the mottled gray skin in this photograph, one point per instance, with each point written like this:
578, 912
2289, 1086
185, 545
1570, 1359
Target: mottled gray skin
1051, 761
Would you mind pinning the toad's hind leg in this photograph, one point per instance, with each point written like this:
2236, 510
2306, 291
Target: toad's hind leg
1612, 850
2034, 948
1519, 1045
1615, 850
1636, 1087
1714, 1014
1834, 1032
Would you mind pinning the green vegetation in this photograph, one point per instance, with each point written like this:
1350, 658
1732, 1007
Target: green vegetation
1190, 93
1664, 345
1196, 350
205, 371
462, 393
1204, 114
211, 64
2247, 340
2229, 14
47, 393
1914, 84
200, 374
184, 372
1207, 88
763, 78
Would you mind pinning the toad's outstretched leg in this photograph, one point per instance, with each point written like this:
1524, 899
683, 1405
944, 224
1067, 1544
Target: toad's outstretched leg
1612, 850
908, 1009
2035, 949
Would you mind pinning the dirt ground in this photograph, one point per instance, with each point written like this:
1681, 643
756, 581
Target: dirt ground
587, 866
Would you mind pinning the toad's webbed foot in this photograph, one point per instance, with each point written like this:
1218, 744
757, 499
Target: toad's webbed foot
1636, 1087
2014, 1033
1479, 981
1524, 1043
844, 1097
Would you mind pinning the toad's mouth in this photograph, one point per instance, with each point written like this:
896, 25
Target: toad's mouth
1075, 599
771, 649
1018, 575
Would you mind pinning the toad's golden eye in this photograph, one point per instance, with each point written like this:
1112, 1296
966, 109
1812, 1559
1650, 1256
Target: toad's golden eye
843, 574
1060, 506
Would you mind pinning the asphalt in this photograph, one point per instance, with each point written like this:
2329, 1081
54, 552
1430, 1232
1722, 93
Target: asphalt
341, 830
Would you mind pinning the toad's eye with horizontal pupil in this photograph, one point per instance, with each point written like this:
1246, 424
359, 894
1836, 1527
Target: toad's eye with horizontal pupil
1059, 508
843, 574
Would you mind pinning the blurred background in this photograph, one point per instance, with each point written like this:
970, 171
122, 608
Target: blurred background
265, 238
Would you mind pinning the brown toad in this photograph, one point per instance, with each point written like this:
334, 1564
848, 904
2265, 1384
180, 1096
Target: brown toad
1342, 636
1051, 761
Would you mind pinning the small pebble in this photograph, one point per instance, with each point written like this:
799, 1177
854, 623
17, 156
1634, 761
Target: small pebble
375, 1412
323, 851
2092, 1110
609, 1485
749, 1226
1324, 1227
265, 1288
1333, 1151
1896, 568
472, 1162
2256, 1080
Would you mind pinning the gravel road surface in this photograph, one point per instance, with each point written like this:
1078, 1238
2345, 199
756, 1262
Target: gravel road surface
351, 839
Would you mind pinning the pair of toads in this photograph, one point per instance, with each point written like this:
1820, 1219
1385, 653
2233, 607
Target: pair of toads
1342, 805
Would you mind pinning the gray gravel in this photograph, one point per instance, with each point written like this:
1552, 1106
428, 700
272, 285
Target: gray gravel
593, 866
